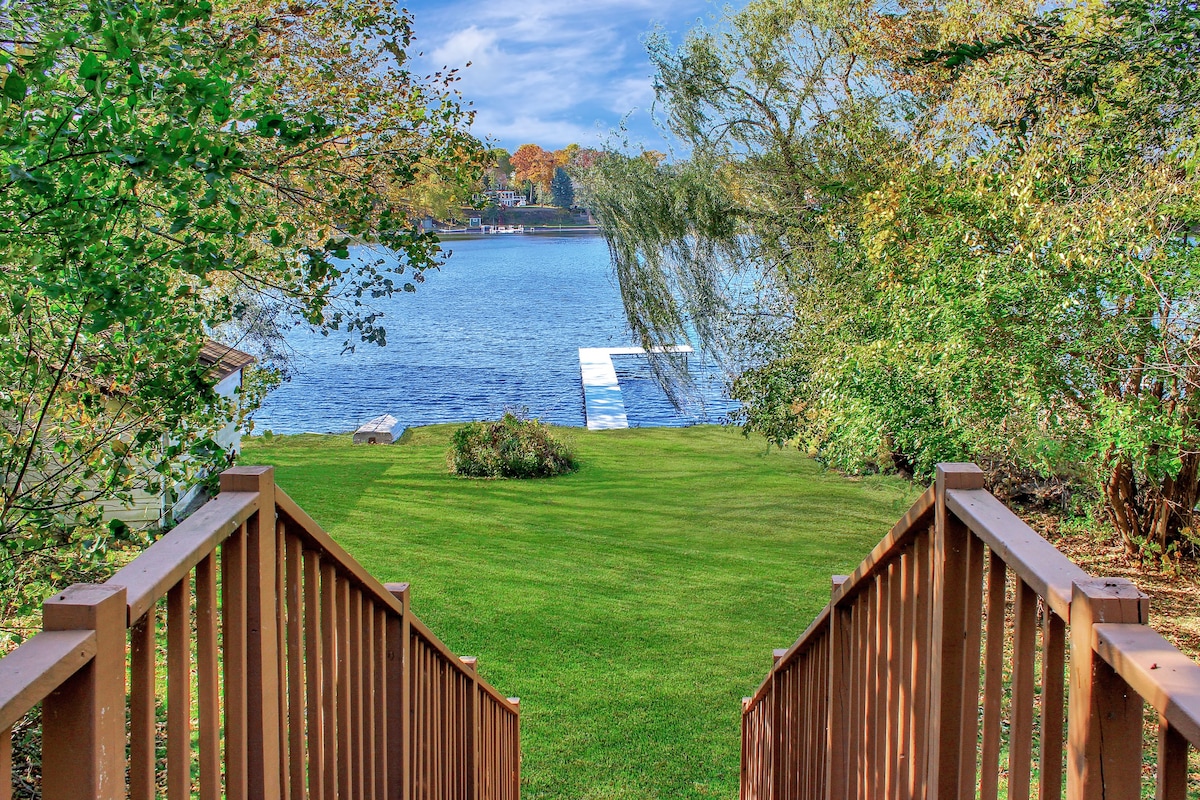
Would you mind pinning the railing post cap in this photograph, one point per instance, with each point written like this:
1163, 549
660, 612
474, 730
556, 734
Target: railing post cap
837, 580
470, 662
247, 479
516, 701
1111, 599
778, 653
80, 606
959, 475
399, 591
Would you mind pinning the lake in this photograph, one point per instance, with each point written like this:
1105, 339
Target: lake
497, 327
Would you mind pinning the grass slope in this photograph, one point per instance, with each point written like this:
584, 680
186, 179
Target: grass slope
630, 605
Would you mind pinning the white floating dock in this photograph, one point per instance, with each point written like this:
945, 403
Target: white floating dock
604, 406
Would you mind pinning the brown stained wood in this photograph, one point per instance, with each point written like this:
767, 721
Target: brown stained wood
1104, 735
870, 690
208, 680
381, 642
894, 675
858, 730
949, 628
368, 657
263, 730
341, 630
142, 706
908, 612
1172, 779
314, 668
317, 539
148, 577
329, 679
293, 562
973, 618
83, 720
233, 637
1167, 679
910, 525
399, 696
1020, 742
39, 666
839, 688
471, 711
1028, 555
993, 680
281, 662
921, 661
879, 700
357, 709
179, 692
6, 764
1054, 681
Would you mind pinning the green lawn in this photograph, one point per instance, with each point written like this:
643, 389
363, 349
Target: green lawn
630, 605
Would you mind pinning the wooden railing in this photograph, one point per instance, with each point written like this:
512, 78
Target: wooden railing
287, 671
942, 669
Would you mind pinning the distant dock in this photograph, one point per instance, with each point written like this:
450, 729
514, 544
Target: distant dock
604, 406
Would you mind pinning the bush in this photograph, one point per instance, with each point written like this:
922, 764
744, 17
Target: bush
514, 447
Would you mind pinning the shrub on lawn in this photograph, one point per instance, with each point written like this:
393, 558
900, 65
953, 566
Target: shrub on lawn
514, 447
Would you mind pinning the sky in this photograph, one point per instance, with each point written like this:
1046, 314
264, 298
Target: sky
553, 72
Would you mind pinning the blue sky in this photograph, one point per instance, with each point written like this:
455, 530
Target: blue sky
553, 72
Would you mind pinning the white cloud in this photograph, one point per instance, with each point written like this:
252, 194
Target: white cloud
468, 46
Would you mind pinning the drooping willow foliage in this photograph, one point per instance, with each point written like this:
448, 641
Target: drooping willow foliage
959, 233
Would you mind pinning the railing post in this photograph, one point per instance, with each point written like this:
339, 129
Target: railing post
264, 733
516, 789
472, 664
399, 681
837, 767
83, 721
1104, 716
947, 666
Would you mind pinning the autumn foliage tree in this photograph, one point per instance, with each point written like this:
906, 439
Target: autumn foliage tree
531, 163
172, 169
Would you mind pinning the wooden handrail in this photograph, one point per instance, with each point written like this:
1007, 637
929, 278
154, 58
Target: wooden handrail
1047, 571
38, 667
934, 636
148, 577
323, 690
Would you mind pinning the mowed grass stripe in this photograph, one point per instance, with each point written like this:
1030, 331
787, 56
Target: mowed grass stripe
630, 605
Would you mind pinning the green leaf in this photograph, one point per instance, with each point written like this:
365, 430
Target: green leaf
14, 87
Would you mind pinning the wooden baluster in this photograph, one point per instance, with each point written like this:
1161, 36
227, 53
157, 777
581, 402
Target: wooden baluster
894, 677
948, 667
329, 678
207, 679
356, 708
399, 700
1020, 732
514, 748
993, 679
1104, 723
908, 617
142, 706
314, 670
973, 620
472, 720
293, 562
233, 640
179, 691
369, 724
6, 763
922, 658
1172, 782
341, 630
283, 663
841, 620
264, 735
382, 724
1054, 655
83, 717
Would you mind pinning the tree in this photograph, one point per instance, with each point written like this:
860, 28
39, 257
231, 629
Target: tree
969, 237
532, 163
562, 189
171, 169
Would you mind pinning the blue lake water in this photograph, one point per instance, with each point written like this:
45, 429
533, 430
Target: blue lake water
498, 327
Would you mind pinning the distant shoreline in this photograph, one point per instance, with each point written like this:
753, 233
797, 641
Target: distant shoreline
537, 229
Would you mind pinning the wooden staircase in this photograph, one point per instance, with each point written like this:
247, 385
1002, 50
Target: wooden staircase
282, 670
967, 657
